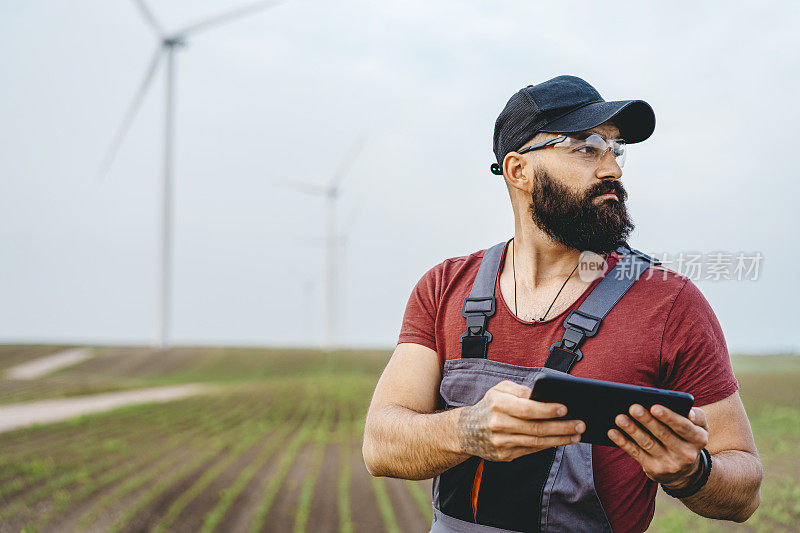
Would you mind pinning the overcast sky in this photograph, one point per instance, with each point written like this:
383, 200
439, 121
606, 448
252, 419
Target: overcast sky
286, 92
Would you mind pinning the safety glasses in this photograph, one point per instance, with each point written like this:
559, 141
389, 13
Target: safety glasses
588, 147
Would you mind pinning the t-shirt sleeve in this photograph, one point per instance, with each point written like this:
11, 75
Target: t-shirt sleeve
419, 319
694, 355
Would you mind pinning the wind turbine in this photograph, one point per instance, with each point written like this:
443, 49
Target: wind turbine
332, 241
167, 45
344, 241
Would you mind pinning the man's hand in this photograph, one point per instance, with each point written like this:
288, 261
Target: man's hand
506, 424
673, 457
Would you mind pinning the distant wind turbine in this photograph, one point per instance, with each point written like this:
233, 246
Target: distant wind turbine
167, 44
332, 242
344, 241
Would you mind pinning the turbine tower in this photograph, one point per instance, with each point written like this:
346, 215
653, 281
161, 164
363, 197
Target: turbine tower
332, 240
167, 45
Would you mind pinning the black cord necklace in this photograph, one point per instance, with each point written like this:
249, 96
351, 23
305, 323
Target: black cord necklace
514, 267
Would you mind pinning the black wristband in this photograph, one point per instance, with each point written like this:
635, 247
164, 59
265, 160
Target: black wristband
705, 465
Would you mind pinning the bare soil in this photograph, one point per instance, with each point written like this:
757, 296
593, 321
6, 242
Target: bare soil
281, 515
148, 517
192, 517
406, 510
243, 508
324, 516
241, 512
363, 506
69, 519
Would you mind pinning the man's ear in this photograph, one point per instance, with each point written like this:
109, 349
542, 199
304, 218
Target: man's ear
513, 165
510, 161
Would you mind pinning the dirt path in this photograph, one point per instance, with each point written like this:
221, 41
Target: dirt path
42, 366
48, 411
14, 355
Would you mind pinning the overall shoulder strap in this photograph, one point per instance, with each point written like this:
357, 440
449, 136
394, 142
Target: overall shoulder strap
480, 305
583, 322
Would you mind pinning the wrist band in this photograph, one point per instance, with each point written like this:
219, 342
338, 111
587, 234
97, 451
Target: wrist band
705, 466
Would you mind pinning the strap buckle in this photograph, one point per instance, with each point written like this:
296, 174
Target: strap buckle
650, 259
558, 346
586, 323
578, 326
476, 327
477, 311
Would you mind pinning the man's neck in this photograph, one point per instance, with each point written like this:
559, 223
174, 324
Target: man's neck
537, 259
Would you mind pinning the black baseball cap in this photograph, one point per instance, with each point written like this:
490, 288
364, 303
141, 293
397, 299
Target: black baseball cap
565, 104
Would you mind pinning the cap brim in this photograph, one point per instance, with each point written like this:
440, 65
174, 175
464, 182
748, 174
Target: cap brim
634, 118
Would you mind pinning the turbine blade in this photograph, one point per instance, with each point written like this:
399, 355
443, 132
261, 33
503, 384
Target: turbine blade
130, 114
229, 16
149, 17
347, 162
301, 186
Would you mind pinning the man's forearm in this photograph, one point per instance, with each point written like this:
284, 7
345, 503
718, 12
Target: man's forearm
402, 443
732, 491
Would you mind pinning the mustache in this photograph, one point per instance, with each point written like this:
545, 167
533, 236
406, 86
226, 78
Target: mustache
608, 186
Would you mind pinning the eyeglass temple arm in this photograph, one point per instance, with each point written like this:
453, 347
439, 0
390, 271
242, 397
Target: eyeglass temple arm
548, 142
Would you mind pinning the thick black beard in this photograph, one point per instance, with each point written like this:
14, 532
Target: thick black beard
576, 220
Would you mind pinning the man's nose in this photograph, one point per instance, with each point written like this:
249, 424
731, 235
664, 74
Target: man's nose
608, 167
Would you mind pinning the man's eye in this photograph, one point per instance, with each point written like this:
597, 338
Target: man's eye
586, 149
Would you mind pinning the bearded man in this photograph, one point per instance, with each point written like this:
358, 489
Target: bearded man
453, 404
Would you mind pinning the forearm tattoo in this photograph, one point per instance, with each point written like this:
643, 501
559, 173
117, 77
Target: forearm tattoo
473, 435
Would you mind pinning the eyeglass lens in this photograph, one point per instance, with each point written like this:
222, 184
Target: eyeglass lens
593, 148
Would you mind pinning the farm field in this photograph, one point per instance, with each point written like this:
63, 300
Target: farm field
279, 449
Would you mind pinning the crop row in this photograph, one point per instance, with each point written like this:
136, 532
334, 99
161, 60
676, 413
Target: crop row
252, 462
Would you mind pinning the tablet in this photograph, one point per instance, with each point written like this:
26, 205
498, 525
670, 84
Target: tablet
597, 402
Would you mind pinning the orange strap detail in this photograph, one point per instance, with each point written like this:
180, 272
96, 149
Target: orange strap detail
476, 485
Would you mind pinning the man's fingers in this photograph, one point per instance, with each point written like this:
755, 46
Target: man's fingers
626, 444
660, 430
539, 443
698, 416
686, 428
512, 424
647, 443
520, 391
533, 410
516, 402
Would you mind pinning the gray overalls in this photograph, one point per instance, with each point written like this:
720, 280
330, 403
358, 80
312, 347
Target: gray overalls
550, 490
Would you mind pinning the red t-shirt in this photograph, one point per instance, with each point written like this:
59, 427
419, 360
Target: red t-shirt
662, 333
